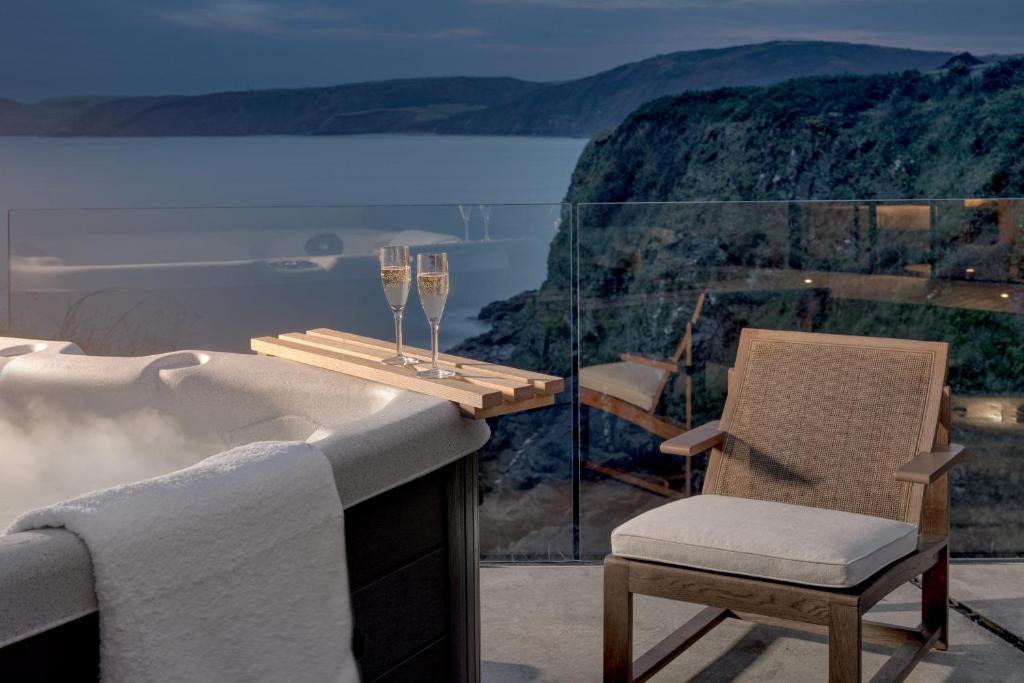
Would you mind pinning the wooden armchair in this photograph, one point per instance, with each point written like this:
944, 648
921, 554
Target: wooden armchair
827, 488
631, 389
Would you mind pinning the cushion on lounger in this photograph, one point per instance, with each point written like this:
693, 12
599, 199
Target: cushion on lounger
631, 382
766, 539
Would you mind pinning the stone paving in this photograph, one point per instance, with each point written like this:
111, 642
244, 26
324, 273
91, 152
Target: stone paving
543, 623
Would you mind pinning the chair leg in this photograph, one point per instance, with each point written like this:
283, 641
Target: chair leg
618, 622
844, 642
935, 599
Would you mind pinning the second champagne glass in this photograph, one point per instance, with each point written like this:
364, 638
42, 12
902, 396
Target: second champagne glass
396, 277
432, 282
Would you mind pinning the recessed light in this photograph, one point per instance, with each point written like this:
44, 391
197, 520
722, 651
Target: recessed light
808, 281
1004, 295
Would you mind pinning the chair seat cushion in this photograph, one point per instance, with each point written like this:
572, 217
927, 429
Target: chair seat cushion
631, 382
765, 539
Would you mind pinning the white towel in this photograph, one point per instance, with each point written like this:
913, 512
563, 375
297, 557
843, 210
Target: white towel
231, 570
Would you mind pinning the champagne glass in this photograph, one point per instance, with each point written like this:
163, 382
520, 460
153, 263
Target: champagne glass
432, 281
485, 211
466, 211
396, 277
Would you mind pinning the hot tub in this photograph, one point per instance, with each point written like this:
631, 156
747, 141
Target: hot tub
403, 463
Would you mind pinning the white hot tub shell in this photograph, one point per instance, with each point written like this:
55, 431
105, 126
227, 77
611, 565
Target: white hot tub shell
376, 438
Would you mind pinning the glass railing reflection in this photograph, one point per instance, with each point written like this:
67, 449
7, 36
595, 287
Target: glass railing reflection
142, 281
677, 282
149, 280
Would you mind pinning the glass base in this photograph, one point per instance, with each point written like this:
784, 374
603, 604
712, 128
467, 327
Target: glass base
401, 360
436, 373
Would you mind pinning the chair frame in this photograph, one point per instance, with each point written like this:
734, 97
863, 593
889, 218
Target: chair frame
837, 613
649, 420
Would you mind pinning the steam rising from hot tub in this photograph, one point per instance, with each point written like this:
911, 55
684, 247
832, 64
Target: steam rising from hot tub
48, 455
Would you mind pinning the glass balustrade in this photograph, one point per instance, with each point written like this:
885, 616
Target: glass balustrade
142, 281
642, 302
678, 282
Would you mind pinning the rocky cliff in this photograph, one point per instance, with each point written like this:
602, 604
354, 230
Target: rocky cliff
957, 133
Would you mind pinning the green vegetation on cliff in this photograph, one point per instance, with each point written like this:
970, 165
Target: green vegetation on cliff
958, 133
954, 134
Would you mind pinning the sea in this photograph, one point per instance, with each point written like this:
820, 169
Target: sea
283, 170
140, 245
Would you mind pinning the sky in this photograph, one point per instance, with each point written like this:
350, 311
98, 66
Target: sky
150, 47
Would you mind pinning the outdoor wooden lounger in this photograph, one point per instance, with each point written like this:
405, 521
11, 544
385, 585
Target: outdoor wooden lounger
827, 488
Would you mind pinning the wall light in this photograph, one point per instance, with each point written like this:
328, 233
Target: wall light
808, 281
1004, 295
970, 271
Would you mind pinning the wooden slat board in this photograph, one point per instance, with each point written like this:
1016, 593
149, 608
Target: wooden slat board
546, 384
510, 387
509, 407
481, 389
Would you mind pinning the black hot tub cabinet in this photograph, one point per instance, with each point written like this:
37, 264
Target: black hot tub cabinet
414, 574
405, 472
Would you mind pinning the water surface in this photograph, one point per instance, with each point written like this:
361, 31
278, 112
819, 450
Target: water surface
276, 170
67, 285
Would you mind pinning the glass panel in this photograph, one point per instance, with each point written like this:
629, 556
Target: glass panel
4, 275
143, 281
929, 270
150, 280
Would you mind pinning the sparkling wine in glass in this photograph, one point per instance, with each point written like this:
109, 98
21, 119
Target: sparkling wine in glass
432, 282
466, 211
396, 277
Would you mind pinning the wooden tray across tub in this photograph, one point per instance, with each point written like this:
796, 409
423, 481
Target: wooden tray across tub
481, 389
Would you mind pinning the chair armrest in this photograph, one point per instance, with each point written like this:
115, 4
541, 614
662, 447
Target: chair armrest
924, 468
660, 363
694, 441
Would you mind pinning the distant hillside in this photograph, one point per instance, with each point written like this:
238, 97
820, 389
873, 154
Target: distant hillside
588, 105
491, 106
44, 118
406, 105
410, 105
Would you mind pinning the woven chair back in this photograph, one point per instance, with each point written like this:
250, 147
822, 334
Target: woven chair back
825, 420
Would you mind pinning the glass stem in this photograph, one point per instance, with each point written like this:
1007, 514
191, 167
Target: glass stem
434, 325
398, 330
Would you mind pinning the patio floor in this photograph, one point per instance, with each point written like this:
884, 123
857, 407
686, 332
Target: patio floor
543, 623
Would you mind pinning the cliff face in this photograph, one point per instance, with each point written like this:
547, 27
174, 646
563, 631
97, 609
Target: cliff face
958, 133
954, 134
908, 135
